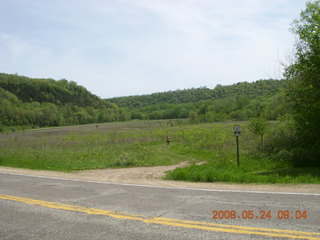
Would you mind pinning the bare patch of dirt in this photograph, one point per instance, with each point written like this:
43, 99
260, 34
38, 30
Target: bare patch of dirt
153, 176
201, 163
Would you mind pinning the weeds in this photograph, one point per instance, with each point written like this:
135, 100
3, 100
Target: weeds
143, 143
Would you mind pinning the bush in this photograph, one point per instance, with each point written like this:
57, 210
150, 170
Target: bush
280, 141
260, 127
303, 157
282, 144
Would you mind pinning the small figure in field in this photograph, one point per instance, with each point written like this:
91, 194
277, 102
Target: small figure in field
168, 140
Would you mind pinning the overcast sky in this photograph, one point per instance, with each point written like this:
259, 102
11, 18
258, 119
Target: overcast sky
131, 47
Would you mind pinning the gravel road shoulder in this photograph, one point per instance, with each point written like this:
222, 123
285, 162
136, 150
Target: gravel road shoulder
153, 176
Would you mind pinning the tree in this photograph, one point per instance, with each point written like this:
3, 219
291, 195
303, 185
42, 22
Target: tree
304, 82
259, 126
193, 116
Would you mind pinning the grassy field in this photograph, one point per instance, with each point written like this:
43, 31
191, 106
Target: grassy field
142, 143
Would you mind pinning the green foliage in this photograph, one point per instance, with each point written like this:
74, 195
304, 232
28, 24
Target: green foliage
48, 90
193, 116
304, 85
261, 87
88, 147
142, 143
240, 101
46, 102
217, 172
259, 126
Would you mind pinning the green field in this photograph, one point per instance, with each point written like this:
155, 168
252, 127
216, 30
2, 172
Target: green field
142, 143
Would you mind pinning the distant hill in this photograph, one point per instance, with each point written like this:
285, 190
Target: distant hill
60, 92
261, 87
47, 102
239, 101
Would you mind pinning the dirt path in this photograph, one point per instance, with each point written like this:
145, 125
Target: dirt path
153, 176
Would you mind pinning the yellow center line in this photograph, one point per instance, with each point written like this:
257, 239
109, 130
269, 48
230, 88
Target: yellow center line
171, 222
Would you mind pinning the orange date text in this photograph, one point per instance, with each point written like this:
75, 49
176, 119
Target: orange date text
262, 214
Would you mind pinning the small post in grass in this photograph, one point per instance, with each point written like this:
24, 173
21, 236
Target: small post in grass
168, 140
237, 133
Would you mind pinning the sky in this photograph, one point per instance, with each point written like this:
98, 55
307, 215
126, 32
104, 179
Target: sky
133, 47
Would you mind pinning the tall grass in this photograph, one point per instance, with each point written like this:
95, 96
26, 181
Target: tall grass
142, 143
215, 143
88, 147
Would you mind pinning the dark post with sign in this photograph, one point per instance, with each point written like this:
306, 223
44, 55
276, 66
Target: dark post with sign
237, 133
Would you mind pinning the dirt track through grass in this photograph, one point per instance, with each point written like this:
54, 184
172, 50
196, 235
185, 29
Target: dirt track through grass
143, 144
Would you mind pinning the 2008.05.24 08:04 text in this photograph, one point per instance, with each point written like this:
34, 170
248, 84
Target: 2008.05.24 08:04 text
263, 214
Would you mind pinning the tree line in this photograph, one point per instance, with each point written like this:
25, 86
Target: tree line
303, 91
296, 137
45, 102
240, 101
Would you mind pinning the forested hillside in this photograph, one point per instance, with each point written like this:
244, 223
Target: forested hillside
46, 102
240, 101
261, 87
59, 92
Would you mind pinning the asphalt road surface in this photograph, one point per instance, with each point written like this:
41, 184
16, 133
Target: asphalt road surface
47, 208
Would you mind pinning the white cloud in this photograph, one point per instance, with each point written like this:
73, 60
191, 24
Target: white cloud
122, 47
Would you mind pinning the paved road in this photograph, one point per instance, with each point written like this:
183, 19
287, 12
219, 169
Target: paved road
44, 208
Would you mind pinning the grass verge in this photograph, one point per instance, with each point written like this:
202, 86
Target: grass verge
142, 143
217, 172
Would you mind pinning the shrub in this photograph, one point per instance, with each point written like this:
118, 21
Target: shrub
260, 127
